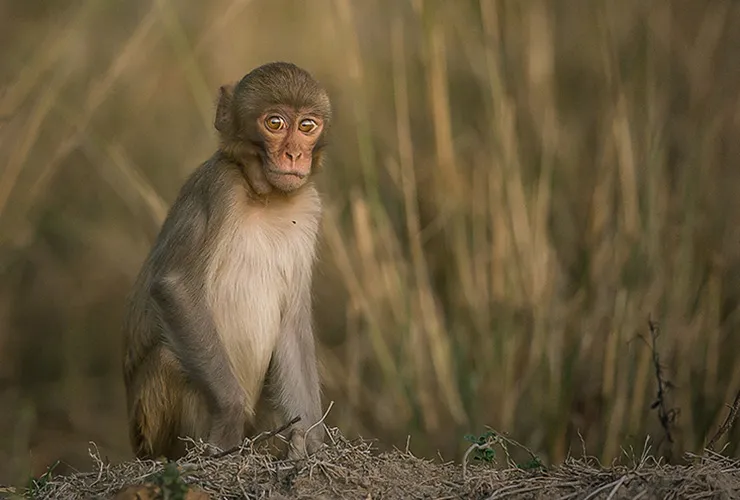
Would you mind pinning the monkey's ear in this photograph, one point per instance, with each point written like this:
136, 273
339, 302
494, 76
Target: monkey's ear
224, 116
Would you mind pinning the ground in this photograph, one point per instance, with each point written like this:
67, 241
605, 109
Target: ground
353, 469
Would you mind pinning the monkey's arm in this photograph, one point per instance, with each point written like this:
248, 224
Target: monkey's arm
189, 330
295, 372
192, 337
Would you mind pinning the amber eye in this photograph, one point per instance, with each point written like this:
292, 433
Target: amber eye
307, 125
274, 122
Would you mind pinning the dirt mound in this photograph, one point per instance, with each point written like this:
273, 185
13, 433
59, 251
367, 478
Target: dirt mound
353, 469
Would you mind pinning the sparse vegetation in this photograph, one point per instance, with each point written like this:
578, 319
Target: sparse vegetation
514, 188
35, 485
354, 469
170, 482
481, 448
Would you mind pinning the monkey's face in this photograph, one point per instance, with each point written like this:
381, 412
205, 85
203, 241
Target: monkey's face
279, 114
289, 137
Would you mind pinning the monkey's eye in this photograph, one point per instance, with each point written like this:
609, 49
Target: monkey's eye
274, 122
307, 125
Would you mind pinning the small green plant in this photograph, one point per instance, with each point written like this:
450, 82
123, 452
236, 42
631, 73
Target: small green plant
170, 482
483, 451
35, 485
532, 464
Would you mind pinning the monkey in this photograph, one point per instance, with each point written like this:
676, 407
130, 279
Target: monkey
218, 323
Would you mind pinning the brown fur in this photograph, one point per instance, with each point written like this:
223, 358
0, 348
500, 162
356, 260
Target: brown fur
218, 331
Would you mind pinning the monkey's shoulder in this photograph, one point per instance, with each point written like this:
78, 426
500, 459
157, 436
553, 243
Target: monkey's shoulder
204, 194
211, 183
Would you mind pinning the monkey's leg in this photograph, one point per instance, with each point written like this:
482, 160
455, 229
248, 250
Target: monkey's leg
196, 344
163, 408
295, 378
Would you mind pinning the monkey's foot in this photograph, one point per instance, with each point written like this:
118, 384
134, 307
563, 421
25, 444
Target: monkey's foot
300, 446
297, 445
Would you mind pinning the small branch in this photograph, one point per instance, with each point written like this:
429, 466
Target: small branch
321, 421
666, 415
471, 448
506, 439
260, 437
728, 422
616, 484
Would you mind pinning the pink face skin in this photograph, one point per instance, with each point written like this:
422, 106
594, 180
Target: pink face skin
289, 138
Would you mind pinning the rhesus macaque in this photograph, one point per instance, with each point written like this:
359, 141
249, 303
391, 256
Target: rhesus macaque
219, 322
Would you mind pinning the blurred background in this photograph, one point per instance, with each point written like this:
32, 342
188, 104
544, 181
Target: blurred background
513, 189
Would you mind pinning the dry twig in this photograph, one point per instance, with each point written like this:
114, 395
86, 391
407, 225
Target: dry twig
666, 416
728, 422
259, 438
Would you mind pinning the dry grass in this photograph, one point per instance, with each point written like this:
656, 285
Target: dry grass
514, 188
353, 469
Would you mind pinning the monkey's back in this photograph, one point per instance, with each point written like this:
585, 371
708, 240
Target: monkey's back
161, 402
176, 245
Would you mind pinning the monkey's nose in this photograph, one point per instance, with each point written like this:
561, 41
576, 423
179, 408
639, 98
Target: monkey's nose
293, 155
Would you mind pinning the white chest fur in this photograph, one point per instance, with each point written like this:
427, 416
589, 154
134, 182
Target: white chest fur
261, 259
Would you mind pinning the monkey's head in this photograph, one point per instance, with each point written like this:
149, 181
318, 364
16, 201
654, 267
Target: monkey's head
276, 116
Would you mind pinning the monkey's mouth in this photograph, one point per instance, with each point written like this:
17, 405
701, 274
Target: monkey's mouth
288, 174
286, 180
